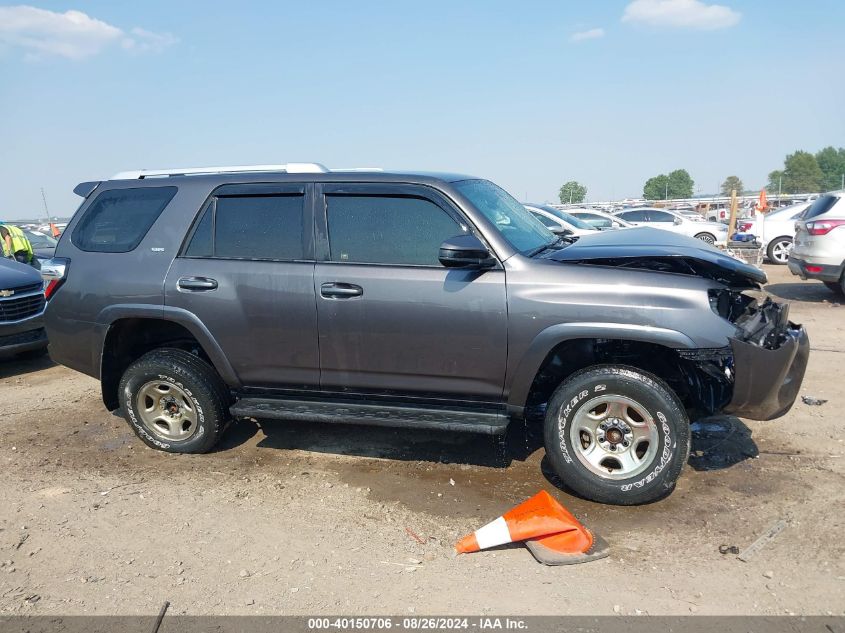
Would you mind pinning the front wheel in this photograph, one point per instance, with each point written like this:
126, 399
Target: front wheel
778, 250
617, 435
706, 237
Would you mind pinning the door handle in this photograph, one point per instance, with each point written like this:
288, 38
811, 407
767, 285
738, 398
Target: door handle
196, 284
337, 290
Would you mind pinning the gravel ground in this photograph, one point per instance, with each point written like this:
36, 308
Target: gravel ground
304, 519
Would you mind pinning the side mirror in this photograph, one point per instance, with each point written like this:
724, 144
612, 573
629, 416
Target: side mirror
678, 221
560, 230
465, 251
615, 225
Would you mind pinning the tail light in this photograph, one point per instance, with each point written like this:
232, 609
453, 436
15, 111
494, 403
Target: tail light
722, 215
822, 227
745, 226
54, 274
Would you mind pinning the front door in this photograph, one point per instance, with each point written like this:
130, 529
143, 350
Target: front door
391, 318
247, 272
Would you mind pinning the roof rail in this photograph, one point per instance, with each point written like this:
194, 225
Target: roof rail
290, 168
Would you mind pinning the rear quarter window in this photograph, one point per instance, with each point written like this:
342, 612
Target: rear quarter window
821, 205
118, 219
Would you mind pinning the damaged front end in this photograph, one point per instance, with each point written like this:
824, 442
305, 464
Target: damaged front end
759, 375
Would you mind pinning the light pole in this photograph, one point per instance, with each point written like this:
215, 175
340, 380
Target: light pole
666, 194
780, 182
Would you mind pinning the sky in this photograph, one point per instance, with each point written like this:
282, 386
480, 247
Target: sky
529, 94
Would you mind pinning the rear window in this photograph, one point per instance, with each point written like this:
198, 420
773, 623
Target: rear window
118, 220
821, 205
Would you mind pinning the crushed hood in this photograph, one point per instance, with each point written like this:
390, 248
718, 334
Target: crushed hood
662, 251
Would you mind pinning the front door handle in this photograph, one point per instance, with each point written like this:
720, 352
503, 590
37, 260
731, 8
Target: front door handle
196, 284
336, 290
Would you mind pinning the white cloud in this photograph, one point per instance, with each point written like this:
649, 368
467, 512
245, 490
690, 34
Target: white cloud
591, 34
72, 34
692, 14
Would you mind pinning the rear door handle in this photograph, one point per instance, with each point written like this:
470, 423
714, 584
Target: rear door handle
196, 284
336, 290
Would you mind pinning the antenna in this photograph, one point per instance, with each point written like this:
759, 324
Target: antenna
44, 200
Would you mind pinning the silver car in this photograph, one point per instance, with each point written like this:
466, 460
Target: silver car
819, 248
710, 232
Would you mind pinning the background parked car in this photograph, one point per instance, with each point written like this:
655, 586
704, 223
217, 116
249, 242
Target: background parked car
43, 246
819, 248
710, 232
777, 231
559, 221
600, 220
21, 310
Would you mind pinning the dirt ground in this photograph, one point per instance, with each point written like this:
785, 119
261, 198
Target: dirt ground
302, 519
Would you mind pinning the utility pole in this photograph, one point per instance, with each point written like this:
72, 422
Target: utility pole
666, 193
44, 200
780, 183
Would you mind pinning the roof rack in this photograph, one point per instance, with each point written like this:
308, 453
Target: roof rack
290, 168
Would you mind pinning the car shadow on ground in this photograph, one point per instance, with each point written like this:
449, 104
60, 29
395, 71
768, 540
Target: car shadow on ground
19, 366
808, 291
717, 442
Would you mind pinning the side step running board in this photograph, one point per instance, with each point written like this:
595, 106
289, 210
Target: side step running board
489, 422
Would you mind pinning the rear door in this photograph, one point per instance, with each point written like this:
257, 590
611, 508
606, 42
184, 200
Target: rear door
392, 319
247, 272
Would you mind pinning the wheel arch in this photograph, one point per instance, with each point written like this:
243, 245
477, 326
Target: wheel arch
563, 349
128, 332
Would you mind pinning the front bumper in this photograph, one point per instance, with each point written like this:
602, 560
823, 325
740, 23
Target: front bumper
22, 336
828, 272
767, 381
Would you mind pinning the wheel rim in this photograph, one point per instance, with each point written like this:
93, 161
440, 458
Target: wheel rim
709, 239
166, 410
780, 251
614, 437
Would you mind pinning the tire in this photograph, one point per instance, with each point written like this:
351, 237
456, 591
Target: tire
174, 401
708, 238
778, 250
835, 286
641, 404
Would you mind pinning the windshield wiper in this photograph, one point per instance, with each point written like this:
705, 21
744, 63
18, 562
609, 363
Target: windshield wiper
545, 247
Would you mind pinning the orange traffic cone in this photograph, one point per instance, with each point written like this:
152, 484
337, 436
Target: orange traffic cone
54, 230
555, 531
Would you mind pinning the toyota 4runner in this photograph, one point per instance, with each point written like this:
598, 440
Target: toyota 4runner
436, 301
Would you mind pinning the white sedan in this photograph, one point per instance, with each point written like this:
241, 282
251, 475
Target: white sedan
559, 221
779, 232
709, 232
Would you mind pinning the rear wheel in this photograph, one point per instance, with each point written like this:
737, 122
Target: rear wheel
174, 401
706, 237
617, 435
778, 250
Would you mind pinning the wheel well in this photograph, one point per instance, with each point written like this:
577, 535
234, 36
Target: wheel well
129, 339
699, 389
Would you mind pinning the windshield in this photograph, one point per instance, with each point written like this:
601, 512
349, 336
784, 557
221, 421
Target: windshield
39, 240
512, 220
567, 217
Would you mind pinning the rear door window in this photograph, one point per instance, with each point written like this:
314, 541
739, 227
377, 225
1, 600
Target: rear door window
633, 216
547, 221
402, 230
258, 227
660, 216
118, 219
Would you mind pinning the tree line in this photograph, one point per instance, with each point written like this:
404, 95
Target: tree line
802, 172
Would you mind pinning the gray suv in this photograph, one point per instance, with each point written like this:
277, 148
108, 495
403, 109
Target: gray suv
435, 301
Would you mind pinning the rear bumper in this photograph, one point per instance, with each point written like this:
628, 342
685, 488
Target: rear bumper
767, 381
822, 272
